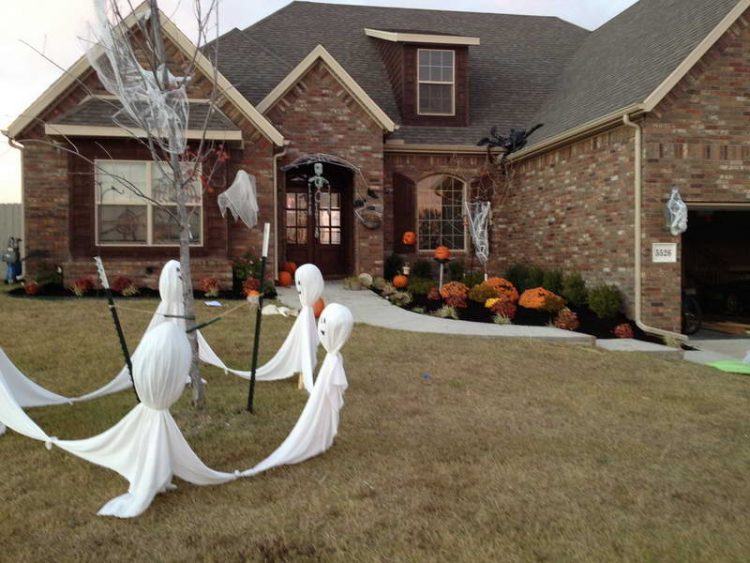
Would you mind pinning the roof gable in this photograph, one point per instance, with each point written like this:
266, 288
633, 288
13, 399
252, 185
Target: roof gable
338, 71
71, 77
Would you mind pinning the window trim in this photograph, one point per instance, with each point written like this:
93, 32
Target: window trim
142, 202
464, 197
452, 83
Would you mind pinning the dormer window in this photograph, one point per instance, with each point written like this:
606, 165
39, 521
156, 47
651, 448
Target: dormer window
436, 77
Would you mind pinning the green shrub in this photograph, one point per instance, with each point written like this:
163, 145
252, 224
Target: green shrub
574, 290
393, 265
535, 277
456, 270
553, 281
482, 292
525, 277
422, 269
517, 274
605, 301
420, 286
471, 279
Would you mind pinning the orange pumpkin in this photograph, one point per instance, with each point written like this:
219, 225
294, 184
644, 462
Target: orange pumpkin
290, 267
318, 307
400, 282
442, 253
285, 279
409, 238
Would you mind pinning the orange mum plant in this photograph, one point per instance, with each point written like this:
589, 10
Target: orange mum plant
453, 289
541, 299
504, 288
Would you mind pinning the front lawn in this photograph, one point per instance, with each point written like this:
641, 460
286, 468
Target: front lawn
457, 449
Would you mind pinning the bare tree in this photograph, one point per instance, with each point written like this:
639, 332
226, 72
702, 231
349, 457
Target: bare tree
128, 52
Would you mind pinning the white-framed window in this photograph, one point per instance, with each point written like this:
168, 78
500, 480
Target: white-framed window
440, 213
124, 218
436, 82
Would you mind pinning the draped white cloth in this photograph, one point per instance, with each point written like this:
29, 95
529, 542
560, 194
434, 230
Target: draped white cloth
318, 425
170, 309
299, 353
240, 198
146, 447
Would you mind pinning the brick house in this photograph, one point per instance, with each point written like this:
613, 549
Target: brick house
398, 98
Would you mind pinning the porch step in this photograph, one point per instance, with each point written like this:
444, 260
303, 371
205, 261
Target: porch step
633, 345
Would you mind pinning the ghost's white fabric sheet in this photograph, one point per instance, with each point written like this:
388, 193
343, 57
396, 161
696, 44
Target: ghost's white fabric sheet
146, 447
170, 309
318, 425
299, 352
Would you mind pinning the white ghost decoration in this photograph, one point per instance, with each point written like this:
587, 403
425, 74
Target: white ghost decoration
146, 447
299, 352
318, 425
171, 309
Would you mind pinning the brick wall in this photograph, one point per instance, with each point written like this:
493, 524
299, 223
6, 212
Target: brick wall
58, 196
319, 116
417, 167
572, 208
698, 139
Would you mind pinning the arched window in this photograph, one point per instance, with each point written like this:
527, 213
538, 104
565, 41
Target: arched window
440, 208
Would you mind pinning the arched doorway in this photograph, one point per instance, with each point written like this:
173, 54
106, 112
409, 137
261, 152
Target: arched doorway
319, 223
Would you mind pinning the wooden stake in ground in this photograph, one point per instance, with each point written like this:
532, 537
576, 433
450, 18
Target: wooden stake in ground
116, 320
258, 318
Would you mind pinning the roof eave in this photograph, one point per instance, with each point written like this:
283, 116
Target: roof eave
427, 38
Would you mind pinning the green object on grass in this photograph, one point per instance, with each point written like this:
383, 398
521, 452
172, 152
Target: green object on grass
732, 366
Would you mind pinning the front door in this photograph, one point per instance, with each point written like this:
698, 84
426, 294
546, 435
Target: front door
319, 223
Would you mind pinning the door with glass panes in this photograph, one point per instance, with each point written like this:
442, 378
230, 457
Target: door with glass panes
318, 223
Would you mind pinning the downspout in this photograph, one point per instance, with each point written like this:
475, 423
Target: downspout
16, 145
276, 158
637, 237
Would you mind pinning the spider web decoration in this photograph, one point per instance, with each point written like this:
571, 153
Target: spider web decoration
478, 214
677, 213
153, 100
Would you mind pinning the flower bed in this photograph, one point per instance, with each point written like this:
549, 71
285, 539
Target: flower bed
526, 295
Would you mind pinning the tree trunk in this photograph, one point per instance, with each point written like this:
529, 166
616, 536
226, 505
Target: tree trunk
199, 395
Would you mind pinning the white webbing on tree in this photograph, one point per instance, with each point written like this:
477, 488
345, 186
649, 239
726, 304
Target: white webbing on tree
678, 213
153, 100
478, 214
241, 199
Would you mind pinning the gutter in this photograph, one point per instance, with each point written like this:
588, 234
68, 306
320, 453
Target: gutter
276, 158
16, 145
638, 243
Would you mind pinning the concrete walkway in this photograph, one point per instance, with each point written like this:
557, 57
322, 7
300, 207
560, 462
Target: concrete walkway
715, 347
368, 308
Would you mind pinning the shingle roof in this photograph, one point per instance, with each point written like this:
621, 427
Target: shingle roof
99, 112
626, 59
528, 69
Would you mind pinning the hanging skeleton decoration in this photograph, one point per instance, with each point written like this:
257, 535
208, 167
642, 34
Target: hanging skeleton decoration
367, 209
315, 186
677, 214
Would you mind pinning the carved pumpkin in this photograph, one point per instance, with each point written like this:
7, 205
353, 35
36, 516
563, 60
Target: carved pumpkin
318, 307
400, 282
285, 279
290, 267
409, 238
442, 253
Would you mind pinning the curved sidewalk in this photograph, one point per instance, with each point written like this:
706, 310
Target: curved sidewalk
370, 309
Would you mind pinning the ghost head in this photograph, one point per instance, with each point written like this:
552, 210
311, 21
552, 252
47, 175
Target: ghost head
309, 283
318, 168
334, 327
160, 366
170, 283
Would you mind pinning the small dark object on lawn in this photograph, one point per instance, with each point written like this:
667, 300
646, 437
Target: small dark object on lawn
426, 377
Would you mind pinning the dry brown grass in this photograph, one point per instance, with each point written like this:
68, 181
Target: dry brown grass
513, 450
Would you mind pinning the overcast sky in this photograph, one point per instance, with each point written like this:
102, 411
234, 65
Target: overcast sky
54, 27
